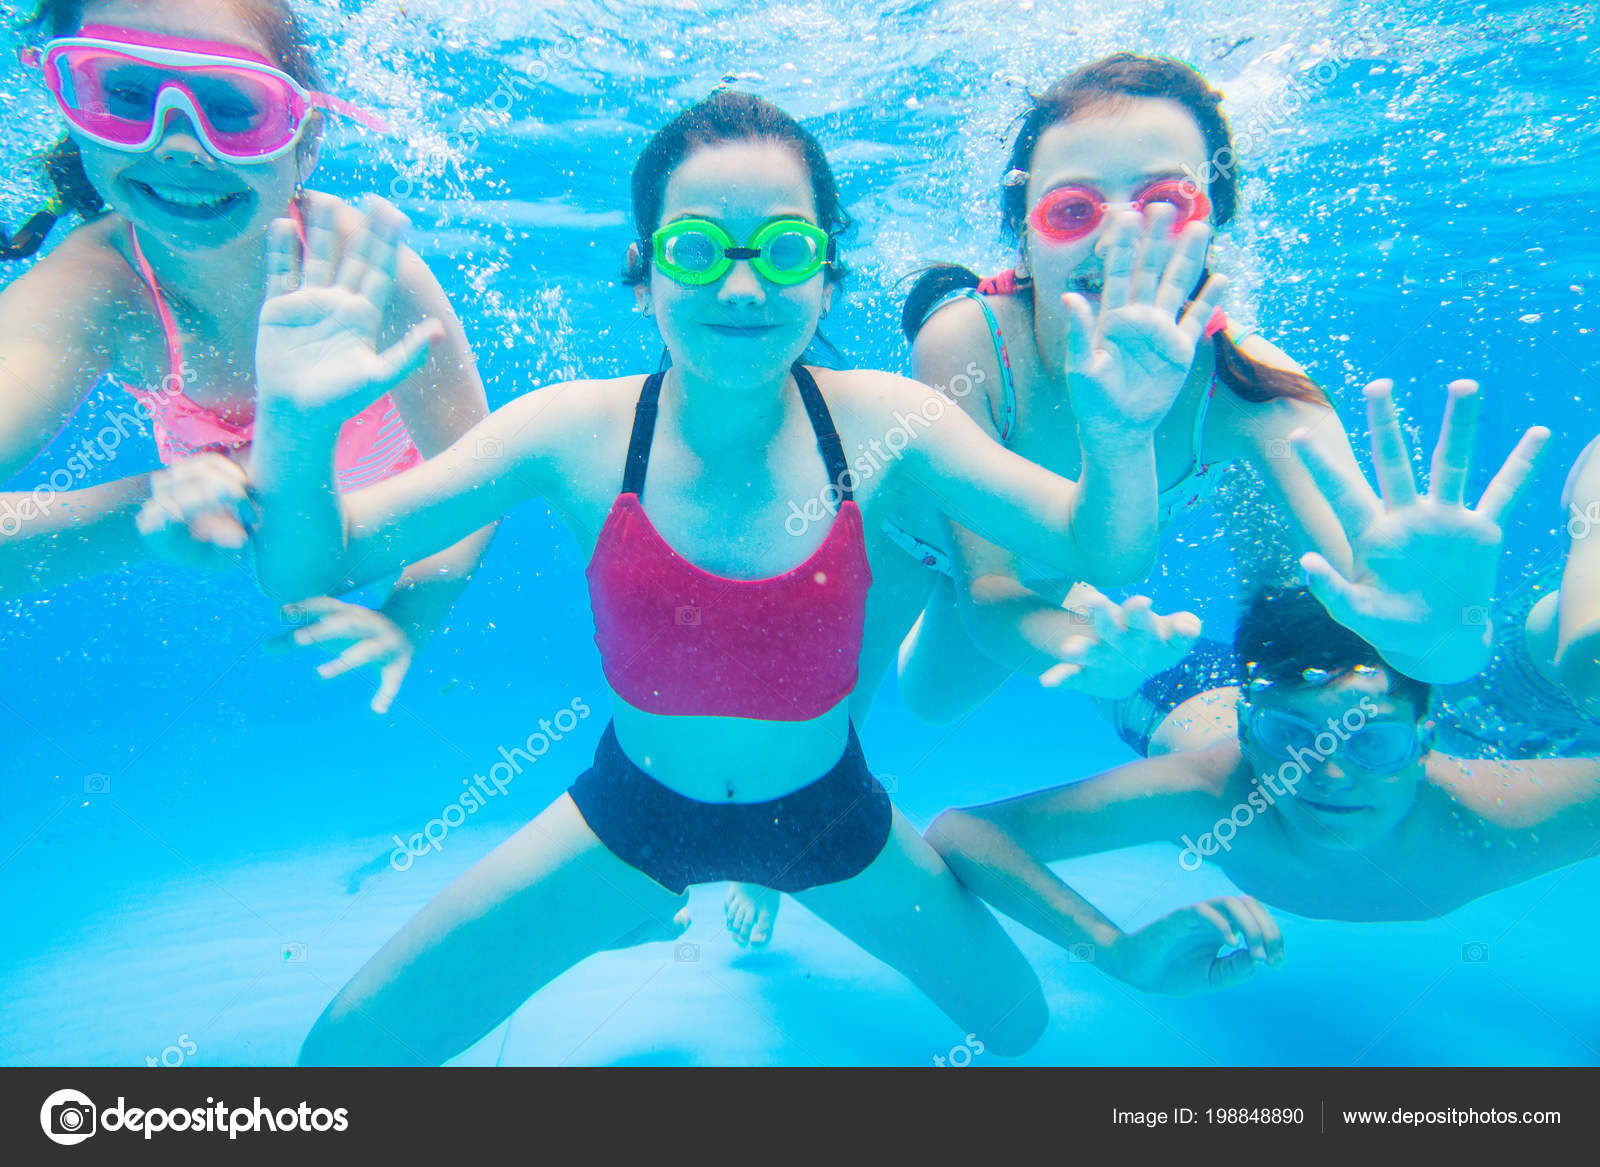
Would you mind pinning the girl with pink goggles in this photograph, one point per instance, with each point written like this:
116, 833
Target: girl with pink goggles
117, 86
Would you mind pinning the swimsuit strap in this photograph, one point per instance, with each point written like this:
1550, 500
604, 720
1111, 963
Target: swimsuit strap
827, 436
169, 327
1008, 390
644, 429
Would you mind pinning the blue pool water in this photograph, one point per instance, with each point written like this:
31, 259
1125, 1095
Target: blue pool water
195, 834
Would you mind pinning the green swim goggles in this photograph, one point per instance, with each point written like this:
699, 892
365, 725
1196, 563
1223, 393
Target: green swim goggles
697, 251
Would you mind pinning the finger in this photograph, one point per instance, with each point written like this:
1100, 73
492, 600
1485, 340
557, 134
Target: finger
408, 354
1247, 925
1391, 457
1458, 434
1057, 675
387, 227
323, 629
357, 258
357, 656
1333, 591
1507, 486
219, 530
1140, 615
1186, 626
1343, 489
1184, 267
1233, 969
283, 258
1080, 331
1271, 934
1105, 618
1223, 925
315, 606
322, 245
1120, 246
1202, 308
390, 678
1155, 250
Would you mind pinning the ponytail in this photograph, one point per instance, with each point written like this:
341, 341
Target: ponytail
1259, 383
73, 194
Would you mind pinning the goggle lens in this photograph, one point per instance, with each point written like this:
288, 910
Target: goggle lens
1382, 747
1073, 212
695, 251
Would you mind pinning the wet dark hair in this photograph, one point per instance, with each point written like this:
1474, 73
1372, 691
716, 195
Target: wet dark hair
1284, 631
728, 115
1118, 78
274, 20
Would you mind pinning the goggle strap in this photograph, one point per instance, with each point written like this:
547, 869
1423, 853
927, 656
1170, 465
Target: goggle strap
742, 252
338, 105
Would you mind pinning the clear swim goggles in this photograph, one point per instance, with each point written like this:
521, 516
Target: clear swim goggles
1381, 747
697, 251
117, 86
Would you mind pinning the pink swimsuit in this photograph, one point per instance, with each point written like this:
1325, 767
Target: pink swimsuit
373, 445
675, 639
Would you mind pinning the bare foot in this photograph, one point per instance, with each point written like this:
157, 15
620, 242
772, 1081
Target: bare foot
752, 911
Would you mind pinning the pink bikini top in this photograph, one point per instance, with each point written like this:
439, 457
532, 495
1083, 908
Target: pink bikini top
373, 445
677, 640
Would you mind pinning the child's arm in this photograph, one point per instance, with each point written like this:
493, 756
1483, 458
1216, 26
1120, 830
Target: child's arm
317, 363
54, 329
1577, 657
1001, 852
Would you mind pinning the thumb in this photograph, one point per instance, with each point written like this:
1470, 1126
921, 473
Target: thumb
406, 355
1336, 593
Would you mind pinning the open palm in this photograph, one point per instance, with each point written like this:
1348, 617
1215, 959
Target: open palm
318, 332
1127, 363
1424, 565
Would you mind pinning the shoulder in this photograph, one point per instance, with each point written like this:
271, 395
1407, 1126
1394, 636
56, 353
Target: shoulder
87, 271
955, 352
1262, 351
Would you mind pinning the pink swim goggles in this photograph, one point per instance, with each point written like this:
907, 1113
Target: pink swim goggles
117, 86
1072, 212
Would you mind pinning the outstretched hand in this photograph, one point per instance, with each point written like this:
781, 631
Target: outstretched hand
1113, 648
359, 638
317, 339
1126, 363
1424, 564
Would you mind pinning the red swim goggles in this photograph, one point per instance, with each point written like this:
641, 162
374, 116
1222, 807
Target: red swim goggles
1072, 212
117, 86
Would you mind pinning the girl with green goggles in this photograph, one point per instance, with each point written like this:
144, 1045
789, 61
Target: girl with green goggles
694, 252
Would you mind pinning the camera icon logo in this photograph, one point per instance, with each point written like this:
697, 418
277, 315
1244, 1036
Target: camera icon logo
1475, 616
293, 952
1278, 449
687, 617
685, 953
67, 1117
489, 449
1585, 521
1475, 952
1080, 953
97, 783
890, 783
